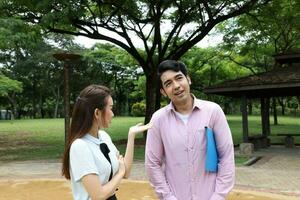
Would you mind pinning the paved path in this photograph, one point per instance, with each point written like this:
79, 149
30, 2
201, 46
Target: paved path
277, 172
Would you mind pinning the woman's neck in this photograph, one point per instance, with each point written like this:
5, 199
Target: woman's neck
94, 131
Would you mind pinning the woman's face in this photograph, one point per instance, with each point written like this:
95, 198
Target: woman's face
107, 113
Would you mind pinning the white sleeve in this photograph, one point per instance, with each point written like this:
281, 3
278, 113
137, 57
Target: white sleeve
81, 160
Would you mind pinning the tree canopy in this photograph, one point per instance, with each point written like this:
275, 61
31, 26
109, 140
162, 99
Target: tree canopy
166, 29
8, 86
262, 33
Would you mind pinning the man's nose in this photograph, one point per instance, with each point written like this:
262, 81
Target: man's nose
176, 85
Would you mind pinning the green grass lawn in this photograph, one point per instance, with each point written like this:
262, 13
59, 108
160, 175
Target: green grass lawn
30, 139
286, 124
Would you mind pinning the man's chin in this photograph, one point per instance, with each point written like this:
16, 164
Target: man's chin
179, 99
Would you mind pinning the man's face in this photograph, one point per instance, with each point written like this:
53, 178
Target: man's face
176, 86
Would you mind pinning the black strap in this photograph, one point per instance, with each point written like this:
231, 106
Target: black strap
105, 150
113, 197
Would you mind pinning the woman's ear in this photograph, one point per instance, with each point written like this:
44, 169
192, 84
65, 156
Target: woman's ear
97, 114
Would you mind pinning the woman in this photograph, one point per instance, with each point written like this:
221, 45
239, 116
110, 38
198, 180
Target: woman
91, 161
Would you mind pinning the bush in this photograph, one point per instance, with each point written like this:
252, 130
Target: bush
138, 109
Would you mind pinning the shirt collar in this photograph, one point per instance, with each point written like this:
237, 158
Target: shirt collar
197, 104
93, 139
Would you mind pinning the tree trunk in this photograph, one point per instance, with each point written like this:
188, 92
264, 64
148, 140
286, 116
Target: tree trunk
151, 94
33, 114
40, 107
226, 108
283, 110
281, 103
57, 95
158, 97
12, 99
249, 107
34, 104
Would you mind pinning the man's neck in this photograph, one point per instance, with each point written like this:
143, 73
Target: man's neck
186, 107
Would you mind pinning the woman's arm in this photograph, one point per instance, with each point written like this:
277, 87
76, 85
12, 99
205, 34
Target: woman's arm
139, 128
96, 190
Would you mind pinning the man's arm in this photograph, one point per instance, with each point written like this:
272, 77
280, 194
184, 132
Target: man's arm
153, 161
226, 165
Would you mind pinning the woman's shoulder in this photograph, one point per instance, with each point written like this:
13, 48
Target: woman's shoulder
104, 135
78, 143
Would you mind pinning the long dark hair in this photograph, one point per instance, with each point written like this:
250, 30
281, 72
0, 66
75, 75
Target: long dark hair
90, 98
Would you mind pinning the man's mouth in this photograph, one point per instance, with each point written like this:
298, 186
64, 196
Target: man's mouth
178, 93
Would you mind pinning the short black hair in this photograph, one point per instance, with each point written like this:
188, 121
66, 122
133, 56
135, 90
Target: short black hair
173, 65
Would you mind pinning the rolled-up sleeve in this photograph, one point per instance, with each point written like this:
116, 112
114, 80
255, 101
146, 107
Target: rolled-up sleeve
153, 162
226, 167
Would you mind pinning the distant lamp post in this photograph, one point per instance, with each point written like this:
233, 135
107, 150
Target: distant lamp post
67, 58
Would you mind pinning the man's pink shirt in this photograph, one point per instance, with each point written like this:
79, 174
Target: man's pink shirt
175, 154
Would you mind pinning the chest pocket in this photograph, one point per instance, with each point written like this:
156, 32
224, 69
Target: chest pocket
201, 139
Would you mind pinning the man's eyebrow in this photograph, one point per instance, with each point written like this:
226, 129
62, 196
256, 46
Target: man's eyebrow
178, 75
167, 81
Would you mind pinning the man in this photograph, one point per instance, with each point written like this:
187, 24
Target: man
176, 144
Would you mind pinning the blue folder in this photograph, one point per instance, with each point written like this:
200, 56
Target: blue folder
211, 161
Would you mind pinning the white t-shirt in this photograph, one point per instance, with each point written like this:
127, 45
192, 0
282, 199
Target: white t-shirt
184, 118
87, 158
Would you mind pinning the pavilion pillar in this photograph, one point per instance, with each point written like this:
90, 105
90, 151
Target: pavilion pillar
265, 116
244, 118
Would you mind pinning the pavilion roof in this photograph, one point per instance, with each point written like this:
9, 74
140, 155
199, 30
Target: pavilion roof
283, 81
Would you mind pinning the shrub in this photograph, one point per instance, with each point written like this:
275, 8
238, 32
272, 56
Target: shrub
138, 109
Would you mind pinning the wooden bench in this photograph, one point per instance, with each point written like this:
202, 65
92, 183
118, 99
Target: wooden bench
289, 139
259, 141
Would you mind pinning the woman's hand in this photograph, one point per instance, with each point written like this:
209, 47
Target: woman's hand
139, 128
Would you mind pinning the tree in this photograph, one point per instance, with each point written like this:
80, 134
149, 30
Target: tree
27, 56
112, 66
8, 89
263, 32
189, 21
268, 30
208, 67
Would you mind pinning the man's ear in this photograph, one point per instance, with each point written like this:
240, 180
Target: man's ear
189, 79
162, 91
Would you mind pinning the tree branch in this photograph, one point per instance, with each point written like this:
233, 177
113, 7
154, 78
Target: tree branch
204, 29
241, 64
